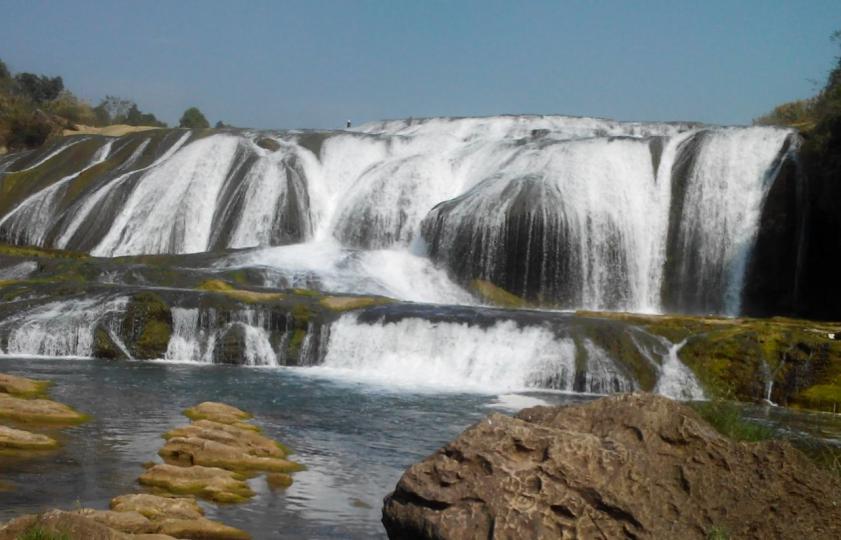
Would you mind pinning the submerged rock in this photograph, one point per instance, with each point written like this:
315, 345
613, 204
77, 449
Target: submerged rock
627, 466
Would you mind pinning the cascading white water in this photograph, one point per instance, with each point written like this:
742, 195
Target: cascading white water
592, 200
195, 336
505, 356
676, 380
171, 210
29, 222
330, 267
722, 204
84, 210
59, 329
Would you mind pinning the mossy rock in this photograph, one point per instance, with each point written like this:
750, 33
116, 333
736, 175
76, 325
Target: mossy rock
495, 295
147, 326
737, 358
105, 347
242, 295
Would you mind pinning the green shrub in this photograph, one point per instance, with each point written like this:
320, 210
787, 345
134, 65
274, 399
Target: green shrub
193, 119
38, 88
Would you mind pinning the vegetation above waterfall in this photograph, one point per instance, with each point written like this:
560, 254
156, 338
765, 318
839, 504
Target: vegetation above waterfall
34, 108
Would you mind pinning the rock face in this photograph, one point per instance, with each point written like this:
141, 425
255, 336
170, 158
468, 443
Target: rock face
627, 466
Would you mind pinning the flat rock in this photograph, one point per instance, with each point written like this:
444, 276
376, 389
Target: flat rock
37, 411
247, 440
21, 386
62, 525
201, 529
218, 412
18, 439
212, 483
626, 466
127, 521
156, 507
197, 451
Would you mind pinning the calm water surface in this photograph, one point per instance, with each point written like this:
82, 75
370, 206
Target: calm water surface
355, 439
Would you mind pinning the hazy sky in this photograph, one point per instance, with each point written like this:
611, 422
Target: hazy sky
281, 64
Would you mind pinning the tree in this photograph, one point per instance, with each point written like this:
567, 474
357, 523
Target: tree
113, 109
39, 88
193, 119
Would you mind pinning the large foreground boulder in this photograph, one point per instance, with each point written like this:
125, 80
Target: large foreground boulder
626, 466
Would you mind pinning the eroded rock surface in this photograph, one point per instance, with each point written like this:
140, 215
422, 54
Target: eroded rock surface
210, 482
626, 466
21, 386
37, 411
18, 439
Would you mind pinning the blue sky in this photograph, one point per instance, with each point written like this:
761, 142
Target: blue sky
314, 63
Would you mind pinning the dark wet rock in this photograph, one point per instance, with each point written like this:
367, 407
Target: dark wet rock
268, 144
104, 345
230, 346
627, 466
147, 326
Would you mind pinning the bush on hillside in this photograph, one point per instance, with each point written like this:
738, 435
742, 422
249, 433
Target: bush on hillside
72, 108
38, 88
193, 119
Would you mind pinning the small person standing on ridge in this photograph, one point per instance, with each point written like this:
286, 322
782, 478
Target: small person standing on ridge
348, 124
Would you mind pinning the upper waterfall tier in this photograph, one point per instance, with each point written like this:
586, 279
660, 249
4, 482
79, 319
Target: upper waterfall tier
567, 212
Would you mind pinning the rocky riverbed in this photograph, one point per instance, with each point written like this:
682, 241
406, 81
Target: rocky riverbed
209, 458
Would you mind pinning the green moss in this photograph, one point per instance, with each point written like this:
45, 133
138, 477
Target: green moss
306, 292
250, 297
497, 296
733, 358
302, 314
296, 341
147, 325
37, 532
727, 419
348, 303
821, 396
155, 336
619, 345
718, 533
19, 251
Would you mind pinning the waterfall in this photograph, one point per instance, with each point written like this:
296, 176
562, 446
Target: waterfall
721, 185
197, 336
58, 329
676, 381
29, 222
506, 355
570, 213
